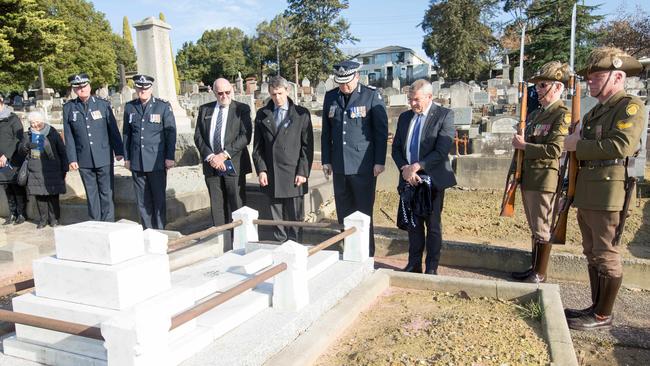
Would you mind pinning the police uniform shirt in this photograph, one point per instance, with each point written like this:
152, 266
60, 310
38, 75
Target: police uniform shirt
424, 115
213, 125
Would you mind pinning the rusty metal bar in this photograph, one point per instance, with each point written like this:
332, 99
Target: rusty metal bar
15, 287
322, 225
331, 241
199, 309
51, 324
176, 244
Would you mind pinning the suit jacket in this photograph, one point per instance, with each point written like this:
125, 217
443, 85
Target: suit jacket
283, 152
436, 138
91, 135
544, 136
238, 135
609, 131
354, 136
149, 134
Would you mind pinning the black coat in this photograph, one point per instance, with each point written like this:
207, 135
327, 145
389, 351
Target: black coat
11, 134
285, 152
47, 173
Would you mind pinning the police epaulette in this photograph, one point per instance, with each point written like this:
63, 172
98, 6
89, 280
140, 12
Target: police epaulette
163, 100
371, 87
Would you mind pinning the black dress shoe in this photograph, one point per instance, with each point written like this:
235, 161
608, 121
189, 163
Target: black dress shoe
522, 275
54, 223
576, 313
41, 225
431, 272
412, 268
591, 322
535, 278
10, 220
19, 220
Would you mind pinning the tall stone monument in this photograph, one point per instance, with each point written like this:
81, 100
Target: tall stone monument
155, 59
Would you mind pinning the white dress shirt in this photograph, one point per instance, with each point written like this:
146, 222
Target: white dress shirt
425, 113
213, 126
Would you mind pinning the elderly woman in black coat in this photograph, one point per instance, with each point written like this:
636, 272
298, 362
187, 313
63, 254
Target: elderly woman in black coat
11, 134
47, 165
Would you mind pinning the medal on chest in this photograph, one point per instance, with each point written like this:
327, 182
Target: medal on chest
131, 117
332, 111
74, 116
154, 118
96, 115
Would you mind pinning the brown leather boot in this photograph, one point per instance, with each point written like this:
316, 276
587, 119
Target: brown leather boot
601, 317
594, 285
540, 263
524, 274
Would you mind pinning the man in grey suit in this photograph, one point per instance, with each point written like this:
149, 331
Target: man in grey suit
283, 151
353, 142
223, 130
421, 150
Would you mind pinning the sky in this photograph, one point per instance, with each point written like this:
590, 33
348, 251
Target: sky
376, 23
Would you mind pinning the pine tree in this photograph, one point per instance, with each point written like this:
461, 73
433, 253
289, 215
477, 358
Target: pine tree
126, 31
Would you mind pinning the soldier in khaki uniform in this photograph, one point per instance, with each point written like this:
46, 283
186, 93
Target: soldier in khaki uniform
610, 134
542, 146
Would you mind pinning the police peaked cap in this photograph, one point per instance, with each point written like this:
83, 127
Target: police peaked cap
80, 79
611, 58
344, 71
143, 81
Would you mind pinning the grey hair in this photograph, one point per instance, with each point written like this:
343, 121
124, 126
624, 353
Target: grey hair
36, 116
278, 82
423, 85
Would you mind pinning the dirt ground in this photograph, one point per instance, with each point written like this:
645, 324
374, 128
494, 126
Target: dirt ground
413, 327
473, 216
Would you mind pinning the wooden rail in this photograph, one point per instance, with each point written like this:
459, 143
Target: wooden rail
319, 225
331, 241
51, 324
178, 244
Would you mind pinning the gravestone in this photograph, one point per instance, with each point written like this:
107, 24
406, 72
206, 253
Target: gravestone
462, 116
154, 56
116, 100
480, 98
459, 94
396, 84
496, 83
330, 84
387, 92
264, 90
506, 74
305, 82
195, 88
102, 92
512, 95
293, 91
517, 77
436, 88
398, 100
320, 92
444, 93
503, 124
251, 85
239, 84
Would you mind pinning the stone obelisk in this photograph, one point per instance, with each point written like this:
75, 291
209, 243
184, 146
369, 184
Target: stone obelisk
155, 59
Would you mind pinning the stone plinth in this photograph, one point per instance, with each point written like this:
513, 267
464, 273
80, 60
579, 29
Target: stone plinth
155, 59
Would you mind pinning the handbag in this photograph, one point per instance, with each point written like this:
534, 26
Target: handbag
8, 174
21, 179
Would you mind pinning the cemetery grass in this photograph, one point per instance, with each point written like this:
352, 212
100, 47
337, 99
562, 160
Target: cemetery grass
416, 327
472, 216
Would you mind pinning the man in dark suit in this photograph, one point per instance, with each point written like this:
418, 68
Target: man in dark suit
421, 146
223, 130
91, 140
353, 142
283, 150
149, 146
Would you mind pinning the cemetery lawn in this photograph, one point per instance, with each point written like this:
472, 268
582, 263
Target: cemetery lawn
417, 327
472, 216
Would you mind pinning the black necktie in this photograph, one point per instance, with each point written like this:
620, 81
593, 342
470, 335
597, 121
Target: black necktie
216, 140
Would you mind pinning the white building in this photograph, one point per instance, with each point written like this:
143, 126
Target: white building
385, 64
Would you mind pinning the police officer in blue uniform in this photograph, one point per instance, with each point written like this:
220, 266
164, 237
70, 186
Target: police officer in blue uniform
149, 145
92, 139
353, 142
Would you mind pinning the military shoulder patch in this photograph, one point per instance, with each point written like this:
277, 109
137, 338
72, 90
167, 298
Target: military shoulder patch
564, 130
567, 118
621, 125
632, 109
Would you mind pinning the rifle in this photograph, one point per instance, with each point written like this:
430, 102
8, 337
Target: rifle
630, 184
513, 179
559, 223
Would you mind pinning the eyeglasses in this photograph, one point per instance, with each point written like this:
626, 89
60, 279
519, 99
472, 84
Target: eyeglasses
543, 85
221, 94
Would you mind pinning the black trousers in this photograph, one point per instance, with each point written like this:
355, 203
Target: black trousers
48, 208
287, 209
225, 197
356, 193
16, 199
150, 188
433, 238
98, 183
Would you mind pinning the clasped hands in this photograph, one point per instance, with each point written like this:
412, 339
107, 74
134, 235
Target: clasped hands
217, 161
410, 173
264, 180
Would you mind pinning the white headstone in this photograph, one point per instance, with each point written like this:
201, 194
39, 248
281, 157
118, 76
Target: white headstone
504, 125
155, 59
462, 115
459, 95
305, 82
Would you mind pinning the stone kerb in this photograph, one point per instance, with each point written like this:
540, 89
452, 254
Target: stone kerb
290, 287
356, 245
247, 231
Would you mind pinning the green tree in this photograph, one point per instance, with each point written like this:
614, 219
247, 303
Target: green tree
629, 32
272, 38
177, 81
27, 38
86, 48
126, 31
318, 30
456, 39
218, 53
550, 33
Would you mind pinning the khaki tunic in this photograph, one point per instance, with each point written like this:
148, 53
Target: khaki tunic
544, 136
609, 131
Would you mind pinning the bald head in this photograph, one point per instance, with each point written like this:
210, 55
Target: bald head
223, 90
